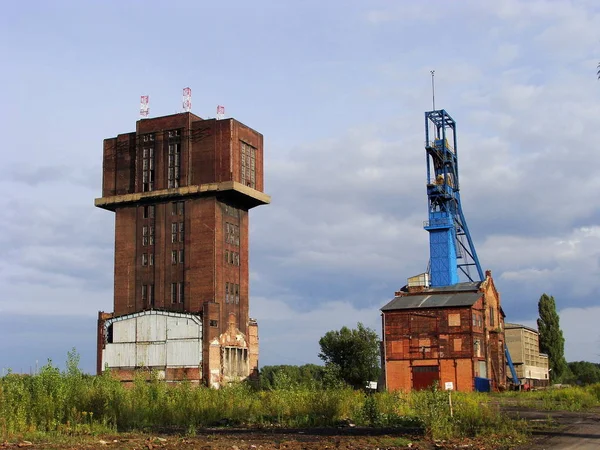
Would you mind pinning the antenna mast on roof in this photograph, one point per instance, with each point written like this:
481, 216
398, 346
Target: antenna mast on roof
187, 99
144, 106
433, 87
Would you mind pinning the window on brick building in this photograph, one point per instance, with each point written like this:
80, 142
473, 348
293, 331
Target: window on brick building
180, 236
248, 165
173, 292
145, 235
226, 292
177, 208
173, 256
181, 254
151, 235
174, 232
227, 256
232, 233
147, 169
492, 318
213, 323
148, 295
454, 320
457, 344
144, 259
151, 259
174, 165
181, 292
237, 294
149, 212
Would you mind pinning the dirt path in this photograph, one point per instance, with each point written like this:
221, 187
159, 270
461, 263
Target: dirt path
574, 430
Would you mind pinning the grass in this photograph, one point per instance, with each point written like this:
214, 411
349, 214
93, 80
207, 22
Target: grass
69, 403
573, 398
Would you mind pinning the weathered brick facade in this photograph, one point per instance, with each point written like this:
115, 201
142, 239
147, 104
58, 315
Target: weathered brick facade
448, 334
181, 188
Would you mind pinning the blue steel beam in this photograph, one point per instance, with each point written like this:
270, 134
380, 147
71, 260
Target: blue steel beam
447, 223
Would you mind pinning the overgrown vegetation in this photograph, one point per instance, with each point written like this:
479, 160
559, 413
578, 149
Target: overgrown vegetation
71, 403
574, 398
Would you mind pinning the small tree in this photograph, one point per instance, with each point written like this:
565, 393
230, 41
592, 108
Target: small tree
353, 353
552, 341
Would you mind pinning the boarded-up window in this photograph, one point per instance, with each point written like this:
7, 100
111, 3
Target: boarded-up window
454, 320
397, 348
457, 345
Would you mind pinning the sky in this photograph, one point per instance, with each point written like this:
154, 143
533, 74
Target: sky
339, 90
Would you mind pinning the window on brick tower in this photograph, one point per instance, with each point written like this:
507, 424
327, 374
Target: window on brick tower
149, 212
180, 231
248, 164
226, 292
181, 254
147, 169
181, 292
173, 292
148, 295
173, 256
177, 208
174, 232
145, 235
174, 165
144, 259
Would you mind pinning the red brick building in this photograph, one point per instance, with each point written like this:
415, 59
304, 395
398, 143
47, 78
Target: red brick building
445, 334
181, 188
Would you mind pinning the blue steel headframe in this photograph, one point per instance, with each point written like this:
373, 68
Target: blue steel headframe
446, 225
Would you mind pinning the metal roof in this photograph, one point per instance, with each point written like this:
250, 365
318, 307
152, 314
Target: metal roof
433, 299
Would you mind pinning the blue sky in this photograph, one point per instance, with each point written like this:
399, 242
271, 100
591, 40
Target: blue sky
338, 89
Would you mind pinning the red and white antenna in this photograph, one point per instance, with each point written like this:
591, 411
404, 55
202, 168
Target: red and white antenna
220, 112
187, 99
144, 105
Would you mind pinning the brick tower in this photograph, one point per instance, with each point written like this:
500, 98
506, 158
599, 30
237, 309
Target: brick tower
181, 188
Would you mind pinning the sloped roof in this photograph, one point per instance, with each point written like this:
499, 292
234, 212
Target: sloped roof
460, 294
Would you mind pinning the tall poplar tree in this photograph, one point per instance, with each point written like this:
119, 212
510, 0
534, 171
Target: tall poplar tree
552, 341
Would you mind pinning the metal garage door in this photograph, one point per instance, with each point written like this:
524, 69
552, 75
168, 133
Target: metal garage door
424, 376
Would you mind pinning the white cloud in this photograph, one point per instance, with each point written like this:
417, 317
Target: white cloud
582, 336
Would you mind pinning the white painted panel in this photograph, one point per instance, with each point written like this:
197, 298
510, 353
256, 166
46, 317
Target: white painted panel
184, 352
120, 355
151, 327
183, 328
124, 330
150, 355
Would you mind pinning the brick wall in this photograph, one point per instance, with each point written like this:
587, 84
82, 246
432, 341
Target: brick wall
210, 151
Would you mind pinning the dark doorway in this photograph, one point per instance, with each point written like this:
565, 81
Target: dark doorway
425, 376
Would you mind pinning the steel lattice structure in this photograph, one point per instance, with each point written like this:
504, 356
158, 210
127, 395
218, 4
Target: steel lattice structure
447, 227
